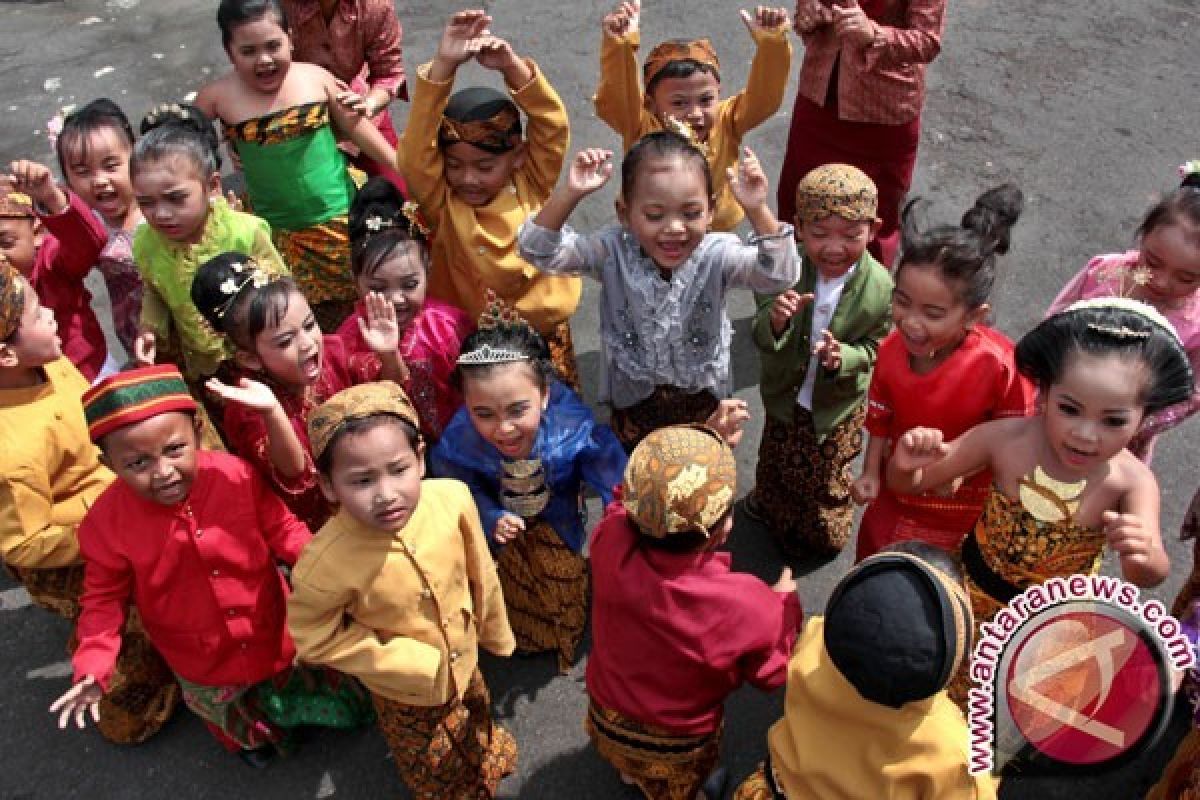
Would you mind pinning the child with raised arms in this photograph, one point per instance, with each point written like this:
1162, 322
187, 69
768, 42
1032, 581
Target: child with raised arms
398, 590
389, 254
525, 444
285, 367
682, 86
283, 118
477, 179
664, 277
943, 367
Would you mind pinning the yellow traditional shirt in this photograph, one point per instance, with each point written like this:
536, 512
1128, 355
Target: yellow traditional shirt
620, 103
476, 248
49, 470
834, 744
405, 613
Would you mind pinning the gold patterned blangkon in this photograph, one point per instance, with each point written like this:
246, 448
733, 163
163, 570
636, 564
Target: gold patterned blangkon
523, 489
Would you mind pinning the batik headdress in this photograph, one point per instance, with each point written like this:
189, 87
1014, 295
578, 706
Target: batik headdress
12, 299
15, 205
481, 117
496, 314
699, 50
679, 479
837, 189
357, 402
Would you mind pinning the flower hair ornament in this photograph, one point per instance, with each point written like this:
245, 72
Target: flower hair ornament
496, 314
1190, 170
163, 112
54, 125
246, 273
681, 128
411, 214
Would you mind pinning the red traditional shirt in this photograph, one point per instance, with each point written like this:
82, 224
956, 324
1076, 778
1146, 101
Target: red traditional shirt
361, 41
674, 634
246, 431
201, 573
75, 238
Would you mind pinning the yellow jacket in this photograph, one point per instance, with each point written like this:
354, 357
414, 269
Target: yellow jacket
404, 613
49, 470
620, 103
476, 248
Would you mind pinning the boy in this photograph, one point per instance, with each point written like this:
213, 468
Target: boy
49, 477
817, 344
866, 712
477, 180
657, 716
54, 240
683, 84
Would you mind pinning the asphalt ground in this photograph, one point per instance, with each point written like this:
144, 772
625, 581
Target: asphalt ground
1088, 106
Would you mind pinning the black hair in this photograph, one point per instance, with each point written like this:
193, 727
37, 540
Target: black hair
662, 144
247, 313
517, 337
178, 129
1043, 353
480, 103
1183, 204
380, 200
964, 254
681, 68
934, 556
97, 115
359, 425
232, 14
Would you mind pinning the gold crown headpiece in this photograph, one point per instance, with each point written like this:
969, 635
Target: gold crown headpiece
496, 314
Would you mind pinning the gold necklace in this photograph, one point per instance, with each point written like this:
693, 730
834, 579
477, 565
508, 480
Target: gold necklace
1048, 499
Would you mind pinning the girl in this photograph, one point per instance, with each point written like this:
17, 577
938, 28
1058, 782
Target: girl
1165, 272
1064, 486
664, 277
399, 591
525, 443
281, 118
941, 367
389, 254
287, 368
93, 149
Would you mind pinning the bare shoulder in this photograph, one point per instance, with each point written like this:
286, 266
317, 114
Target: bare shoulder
1128, 473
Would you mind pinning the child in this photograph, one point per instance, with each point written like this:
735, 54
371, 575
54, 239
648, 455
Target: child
398, 590
286, 369
51, 237
282, 118
525, 443
683, 85
817, 344
663, 277
1064, 486
192, 538
389, 254
93, 149
941, 367
477, 180
674, 631
1165, 272
866, 712
49, 477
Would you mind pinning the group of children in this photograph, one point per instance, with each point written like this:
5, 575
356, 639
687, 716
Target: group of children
389, 364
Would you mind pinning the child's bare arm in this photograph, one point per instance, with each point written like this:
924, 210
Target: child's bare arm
357, 127
922, 460
1133, 530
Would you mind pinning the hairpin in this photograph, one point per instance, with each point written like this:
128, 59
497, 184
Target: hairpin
1118, 332
377, 223
232, 287
1126, 276
412, 213
1144, 310
681, 128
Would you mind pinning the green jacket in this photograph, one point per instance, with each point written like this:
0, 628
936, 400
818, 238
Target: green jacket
860, 321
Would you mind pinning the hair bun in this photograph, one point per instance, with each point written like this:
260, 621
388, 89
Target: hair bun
377, 198
993, 216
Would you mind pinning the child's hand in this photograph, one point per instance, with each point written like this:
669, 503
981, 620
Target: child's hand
852, 24
811, 15
624, 20
919, 448
36, 180
865, 489
508, 527
495, 53
144, 349
829, 352
748, 182
379, 329
765, 18
1127, 536
80, 700
234, 200
731, 414
786, 306
248, 393
462, 36
786, 583
590, 170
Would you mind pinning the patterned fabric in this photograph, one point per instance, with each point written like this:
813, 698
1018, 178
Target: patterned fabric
699, 50
495, 133
280, 126
756, 787
319, 257
57, 589
664, 766
360, 41
124, 284
562, 354
802, 489
679, 479
452, 751
15, 205
1181, 778
667, 405
545, 587
12, 299
836, 189
133, 396
365, 400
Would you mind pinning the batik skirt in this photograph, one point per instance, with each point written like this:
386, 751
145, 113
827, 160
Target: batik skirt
319, 258
562, 354
667, 405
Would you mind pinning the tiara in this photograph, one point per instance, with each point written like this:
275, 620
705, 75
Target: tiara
681, 128
496, 314
1145, 310
246, 273
486, 354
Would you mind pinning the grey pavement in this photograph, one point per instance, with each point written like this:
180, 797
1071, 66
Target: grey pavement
1088, 106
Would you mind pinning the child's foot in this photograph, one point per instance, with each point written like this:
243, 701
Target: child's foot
714, 787
257, 758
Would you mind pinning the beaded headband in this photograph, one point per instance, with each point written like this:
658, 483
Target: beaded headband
496, 314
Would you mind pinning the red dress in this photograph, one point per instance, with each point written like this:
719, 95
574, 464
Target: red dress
976, 383
201, 573
246, 431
